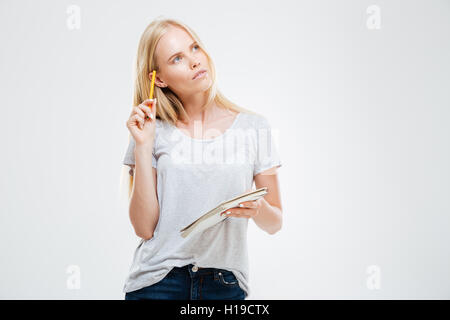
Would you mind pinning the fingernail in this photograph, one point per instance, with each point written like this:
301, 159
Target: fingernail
228, 212
241, 205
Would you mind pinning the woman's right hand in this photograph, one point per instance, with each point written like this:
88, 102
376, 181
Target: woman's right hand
141, 122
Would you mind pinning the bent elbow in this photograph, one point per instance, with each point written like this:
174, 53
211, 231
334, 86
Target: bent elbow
273, 231
148, 237
145, 236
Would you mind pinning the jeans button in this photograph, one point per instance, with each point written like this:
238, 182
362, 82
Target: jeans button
194, 268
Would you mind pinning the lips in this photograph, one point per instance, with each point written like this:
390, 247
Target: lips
198, 73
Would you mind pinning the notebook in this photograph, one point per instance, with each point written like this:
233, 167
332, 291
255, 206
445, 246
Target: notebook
213, 217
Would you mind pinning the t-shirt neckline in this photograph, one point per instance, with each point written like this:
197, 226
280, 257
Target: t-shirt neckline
211, 139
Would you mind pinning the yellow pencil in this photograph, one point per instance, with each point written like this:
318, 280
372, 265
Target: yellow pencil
152, 86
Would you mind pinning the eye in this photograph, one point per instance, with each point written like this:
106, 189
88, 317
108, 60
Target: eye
175, 59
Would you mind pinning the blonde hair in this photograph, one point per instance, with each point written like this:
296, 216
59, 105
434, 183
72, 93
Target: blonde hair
168, 107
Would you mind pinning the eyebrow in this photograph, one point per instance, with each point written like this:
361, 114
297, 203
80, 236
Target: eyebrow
180, 51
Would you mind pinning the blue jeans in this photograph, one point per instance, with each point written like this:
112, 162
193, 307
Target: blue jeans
184, 283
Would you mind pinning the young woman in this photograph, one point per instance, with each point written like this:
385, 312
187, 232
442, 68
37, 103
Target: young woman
190, 148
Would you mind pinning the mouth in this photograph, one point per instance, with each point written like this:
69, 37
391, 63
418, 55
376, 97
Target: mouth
200, 74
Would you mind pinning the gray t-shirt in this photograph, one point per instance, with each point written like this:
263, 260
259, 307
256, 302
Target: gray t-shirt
194, 176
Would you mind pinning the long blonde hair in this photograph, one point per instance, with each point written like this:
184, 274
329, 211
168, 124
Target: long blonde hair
169, 107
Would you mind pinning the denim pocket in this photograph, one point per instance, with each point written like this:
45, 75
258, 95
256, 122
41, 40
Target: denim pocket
227, 278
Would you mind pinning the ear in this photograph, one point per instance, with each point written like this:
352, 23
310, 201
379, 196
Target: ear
158, 81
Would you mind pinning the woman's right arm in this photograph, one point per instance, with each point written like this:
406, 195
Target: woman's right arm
144, 206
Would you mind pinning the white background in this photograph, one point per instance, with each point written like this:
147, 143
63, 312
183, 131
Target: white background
363, 122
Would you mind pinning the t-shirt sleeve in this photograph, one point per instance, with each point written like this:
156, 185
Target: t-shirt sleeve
266, 149
129, 158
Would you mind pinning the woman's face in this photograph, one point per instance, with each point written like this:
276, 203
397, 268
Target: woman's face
179, 58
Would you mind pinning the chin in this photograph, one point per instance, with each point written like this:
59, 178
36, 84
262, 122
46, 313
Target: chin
203, 86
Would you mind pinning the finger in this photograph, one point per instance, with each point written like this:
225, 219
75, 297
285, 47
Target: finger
134, 120
146, 111
140, 111
154, 108
148, 101
248, 204
151, 105
139, 120
236, 212
131, 122
241, 214
226, 213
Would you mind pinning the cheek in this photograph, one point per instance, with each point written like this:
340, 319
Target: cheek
179, 75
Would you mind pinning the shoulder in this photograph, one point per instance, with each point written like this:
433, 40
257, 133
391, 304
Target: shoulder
162, 124
254, 120
159, 125
163, 130
159, 122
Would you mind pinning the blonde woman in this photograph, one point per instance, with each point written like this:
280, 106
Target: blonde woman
190, 148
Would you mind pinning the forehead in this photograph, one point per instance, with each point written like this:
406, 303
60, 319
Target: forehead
175, 39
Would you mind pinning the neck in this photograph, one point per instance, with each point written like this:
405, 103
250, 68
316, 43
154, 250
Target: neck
197, 110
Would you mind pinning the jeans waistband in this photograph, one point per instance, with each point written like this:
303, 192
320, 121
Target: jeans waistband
190, 267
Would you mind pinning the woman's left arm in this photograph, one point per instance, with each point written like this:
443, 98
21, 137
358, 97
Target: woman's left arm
266, 211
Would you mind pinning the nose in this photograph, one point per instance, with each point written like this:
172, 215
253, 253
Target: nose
195, 61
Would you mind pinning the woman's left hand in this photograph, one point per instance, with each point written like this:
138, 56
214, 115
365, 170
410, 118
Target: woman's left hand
247, 209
